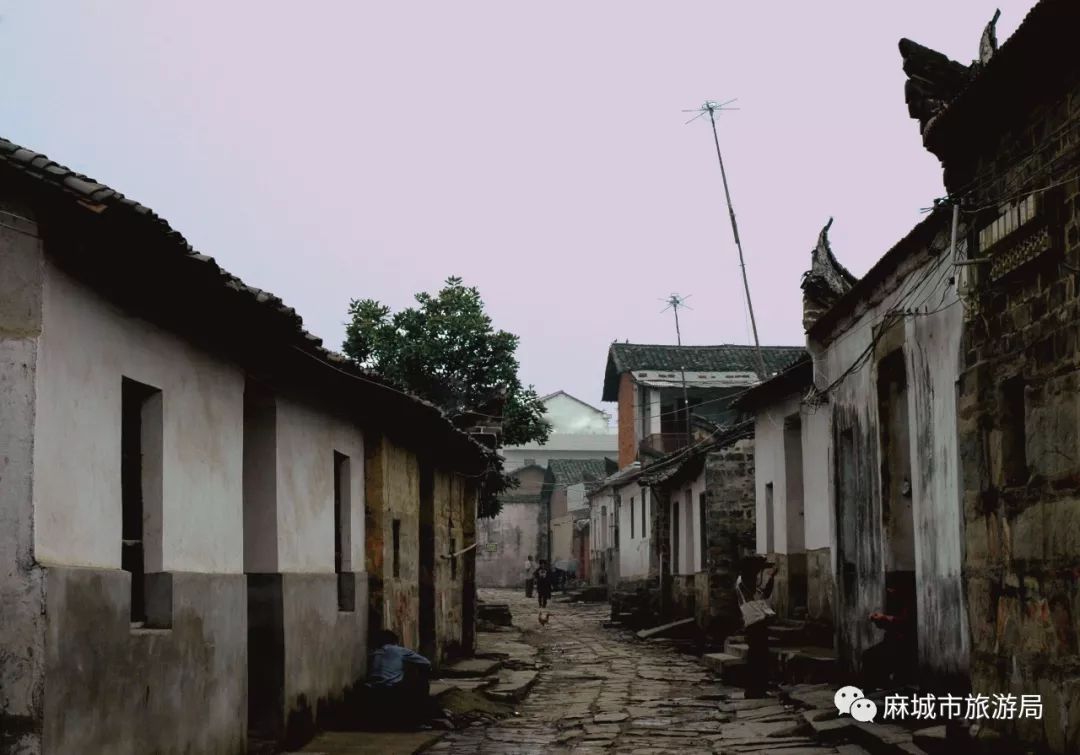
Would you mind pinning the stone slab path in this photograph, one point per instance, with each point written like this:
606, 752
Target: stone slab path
603, 690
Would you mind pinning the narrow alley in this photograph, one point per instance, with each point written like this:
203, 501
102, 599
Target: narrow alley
602, 689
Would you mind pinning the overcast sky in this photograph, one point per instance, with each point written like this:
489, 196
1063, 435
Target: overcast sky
336, 150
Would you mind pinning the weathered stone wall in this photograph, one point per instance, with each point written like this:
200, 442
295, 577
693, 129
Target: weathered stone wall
1019, 417
731, 533
507, 540
450, 514
393, 494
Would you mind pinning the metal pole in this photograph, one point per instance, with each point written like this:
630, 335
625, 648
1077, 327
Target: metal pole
682, 368
735, 230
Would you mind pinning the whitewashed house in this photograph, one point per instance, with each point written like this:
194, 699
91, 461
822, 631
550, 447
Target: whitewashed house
579, 431
620, 521
183, 489
863, 449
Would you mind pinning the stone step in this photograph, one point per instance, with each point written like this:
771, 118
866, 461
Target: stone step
885, 739
850, 749
512, 686
826, 726
821, 696
718, 662
733, 646
470, 667
442, 686
665, 629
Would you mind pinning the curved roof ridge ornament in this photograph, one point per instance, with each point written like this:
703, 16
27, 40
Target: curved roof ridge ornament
988, 43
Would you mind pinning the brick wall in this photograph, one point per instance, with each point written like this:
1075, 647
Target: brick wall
628, 442
731, 530
1019, 419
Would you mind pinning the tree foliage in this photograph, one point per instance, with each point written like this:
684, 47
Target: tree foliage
446, 350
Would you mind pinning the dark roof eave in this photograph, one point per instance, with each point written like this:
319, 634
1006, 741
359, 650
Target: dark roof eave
796, 378
1043, 41
107, 213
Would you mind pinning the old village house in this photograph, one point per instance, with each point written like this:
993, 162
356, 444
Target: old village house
1007, 132
857, 475
203, 513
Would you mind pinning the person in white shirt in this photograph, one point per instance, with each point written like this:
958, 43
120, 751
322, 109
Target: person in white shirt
530, 567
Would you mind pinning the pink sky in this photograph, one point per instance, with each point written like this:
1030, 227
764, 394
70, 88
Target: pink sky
332, 150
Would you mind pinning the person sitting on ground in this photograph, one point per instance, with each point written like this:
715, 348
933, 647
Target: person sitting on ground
398, 684
543, 583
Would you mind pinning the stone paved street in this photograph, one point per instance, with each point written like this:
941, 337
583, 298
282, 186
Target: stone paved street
604, 690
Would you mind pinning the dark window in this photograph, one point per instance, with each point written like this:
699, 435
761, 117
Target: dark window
397, 548
140, 487
342, 532
1014, 431
631, 517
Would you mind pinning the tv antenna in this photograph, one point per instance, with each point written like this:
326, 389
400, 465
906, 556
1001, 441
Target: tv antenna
674, 301
711, 108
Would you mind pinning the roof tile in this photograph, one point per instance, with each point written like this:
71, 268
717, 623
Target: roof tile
33, 163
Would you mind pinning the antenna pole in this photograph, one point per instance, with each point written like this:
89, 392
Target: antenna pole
711, 107
675, 301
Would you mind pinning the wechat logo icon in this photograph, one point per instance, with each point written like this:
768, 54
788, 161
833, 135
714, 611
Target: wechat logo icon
850, 700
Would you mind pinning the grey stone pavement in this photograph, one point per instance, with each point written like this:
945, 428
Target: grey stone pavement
603, 690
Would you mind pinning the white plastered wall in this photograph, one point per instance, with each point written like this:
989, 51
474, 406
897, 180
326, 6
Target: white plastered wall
87, 347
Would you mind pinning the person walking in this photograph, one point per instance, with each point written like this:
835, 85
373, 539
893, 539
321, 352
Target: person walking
753, 589
530, 567
543, 584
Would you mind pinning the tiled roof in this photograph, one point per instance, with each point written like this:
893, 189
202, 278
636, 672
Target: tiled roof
58, 184
798, 376
571, 471
627, 357
1044, 41
687, 462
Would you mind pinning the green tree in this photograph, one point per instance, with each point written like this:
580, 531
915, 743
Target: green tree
446, 350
